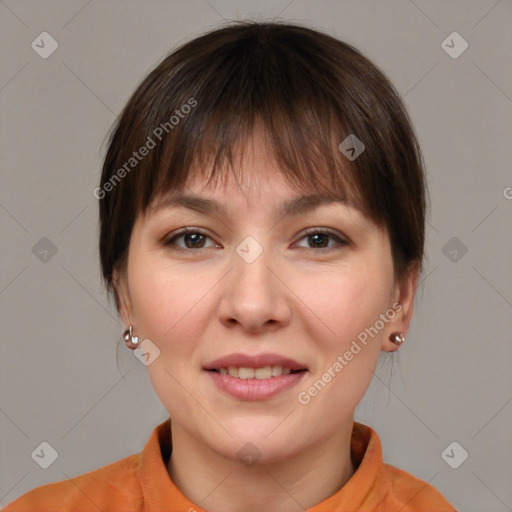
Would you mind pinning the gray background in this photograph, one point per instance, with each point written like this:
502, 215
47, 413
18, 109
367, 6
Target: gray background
59, 379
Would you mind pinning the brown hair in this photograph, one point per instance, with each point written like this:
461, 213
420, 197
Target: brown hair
308, 90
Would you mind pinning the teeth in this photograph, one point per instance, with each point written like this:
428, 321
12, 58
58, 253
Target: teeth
263, 373
246, 373
255, 373
277, 371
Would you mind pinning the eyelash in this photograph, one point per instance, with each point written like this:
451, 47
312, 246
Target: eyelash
307, 233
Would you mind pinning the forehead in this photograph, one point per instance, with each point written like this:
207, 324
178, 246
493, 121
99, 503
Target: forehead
288, 202
254, 172
253, 185
290, 207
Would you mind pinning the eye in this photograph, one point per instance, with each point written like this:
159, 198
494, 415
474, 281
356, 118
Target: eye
319, 239
192, 238
195, 239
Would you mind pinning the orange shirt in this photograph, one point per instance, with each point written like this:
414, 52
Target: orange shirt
141, 483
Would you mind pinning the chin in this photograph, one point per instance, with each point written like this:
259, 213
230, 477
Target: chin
258, 438
263, 452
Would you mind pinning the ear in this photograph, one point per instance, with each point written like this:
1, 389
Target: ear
403, 305
120, 283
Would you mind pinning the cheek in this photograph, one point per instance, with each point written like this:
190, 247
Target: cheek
345, 302
167, 303
349, 303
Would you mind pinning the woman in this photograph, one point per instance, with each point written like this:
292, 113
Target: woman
262, 210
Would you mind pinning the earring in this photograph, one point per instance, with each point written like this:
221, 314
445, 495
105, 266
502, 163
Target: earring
397, 338
132, 342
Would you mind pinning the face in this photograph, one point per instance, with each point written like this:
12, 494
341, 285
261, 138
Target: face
294, 306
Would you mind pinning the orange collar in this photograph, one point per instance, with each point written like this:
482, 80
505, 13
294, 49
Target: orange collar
362, 489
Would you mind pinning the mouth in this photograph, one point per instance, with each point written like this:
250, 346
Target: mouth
267, 365
264, 372
255, 377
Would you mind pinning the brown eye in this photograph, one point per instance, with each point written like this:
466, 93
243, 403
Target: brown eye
319, 239
192, 239
196, 239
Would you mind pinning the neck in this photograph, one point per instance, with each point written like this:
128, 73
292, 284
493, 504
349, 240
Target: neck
220, 484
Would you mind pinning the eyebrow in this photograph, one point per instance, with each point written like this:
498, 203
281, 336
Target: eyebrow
292, 207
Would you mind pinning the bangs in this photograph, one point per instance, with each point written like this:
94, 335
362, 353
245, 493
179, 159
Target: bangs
306, 154
243, 89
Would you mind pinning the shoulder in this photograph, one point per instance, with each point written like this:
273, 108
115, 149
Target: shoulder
411, 493
112, 487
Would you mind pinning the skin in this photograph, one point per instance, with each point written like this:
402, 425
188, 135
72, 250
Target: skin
297, 299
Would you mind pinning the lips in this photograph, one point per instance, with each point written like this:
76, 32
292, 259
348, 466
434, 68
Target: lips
257, 361
258, 377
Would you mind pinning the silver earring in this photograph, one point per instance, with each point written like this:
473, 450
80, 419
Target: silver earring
132, 342
397, 337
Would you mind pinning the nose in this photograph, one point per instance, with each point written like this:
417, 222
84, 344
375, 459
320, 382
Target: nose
254, 297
